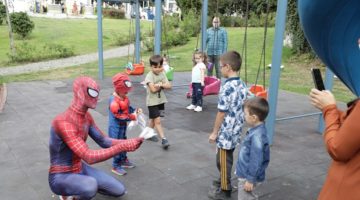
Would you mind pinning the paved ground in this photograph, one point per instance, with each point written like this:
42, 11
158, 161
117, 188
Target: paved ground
296, 172
65, 62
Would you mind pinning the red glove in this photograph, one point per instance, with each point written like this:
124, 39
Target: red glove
131, 144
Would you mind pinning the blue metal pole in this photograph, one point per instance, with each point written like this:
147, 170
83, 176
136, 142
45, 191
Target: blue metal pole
137, 37
157, 47
100, 41
204, 24
275, 66
297, 116
329, 82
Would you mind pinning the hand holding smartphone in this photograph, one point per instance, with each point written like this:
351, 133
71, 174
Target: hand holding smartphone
318, 81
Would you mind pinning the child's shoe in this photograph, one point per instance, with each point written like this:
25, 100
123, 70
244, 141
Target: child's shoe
191, 107
165, 143
127, 164
118, 171
219, 194
198, 109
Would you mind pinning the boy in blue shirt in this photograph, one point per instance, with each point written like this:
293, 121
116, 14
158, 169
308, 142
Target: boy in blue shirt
228, 123
254, 153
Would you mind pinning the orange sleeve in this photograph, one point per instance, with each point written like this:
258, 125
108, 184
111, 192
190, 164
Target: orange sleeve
342, 132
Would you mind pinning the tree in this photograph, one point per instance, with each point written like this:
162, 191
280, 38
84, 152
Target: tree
299, 42
227, 7
22, 24
2, 12
12, 46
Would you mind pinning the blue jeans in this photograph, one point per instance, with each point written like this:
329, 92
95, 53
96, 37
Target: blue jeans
197, 93
118, 133
214, 59
86, 184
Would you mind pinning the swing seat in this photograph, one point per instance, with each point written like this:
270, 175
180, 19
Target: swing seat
138, 69
212, 86
170, 74
259, 90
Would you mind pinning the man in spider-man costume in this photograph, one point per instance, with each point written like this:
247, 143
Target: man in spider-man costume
70, 173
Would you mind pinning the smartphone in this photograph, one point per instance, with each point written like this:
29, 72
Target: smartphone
318, 81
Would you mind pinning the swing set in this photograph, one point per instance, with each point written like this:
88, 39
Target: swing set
256, 89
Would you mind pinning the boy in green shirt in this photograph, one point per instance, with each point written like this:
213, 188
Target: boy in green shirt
156, 81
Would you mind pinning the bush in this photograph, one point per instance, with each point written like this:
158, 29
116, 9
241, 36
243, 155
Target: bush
2, 13
21, 24
114, 13
191, 24
120, 39
253, 21
26, 52
149, 44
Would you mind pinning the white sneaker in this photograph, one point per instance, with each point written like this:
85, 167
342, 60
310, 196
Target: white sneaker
198, 109
191, 107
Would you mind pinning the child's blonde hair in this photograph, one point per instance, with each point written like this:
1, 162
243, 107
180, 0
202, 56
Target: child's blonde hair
202, 54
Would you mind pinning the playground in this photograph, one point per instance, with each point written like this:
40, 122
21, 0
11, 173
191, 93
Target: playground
299, 161
297, 169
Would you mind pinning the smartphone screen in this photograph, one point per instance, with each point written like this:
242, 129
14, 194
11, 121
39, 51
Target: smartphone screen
318, 81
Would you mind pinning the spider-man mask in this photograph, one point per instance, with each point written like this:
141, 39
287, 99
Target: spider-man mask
86, 92
122, 83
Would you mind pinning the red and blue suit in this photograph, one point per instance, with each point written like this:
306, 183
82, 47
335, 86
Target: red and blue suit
120, 112
70, 173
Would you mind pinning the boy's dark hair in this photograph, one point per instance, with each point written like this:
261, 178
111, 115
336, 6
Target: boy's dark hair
257, 106
156, 60
233, 59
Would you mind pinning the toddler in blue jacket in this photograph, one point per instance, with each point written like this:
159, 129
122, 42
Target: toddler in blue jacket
254, 153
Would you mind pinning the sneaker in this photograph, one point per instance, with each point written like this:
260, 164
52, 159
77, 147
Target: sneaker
191, 107
165, 143
127, 164
118, 171
198, 109
154, 138
220, 195
215, 185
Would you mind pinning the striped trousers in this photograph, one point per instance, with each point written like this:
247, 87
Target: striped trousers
224, 163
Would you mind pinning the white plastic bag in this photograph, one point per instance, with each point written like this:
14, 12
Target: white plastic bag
147, 133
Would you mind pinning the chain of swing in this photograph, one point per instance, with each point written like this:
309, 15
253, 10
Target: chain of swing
263, 52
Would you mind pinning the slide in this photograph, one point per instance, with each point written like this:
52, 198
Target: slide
332, 28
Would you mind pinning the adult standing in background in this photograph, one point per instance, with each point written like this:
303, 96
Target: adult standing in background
216, 45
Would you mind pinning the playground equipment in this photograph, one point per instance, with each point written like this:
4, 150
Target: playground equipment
212, 86
135, 69
256, 89
333, 31
170, 74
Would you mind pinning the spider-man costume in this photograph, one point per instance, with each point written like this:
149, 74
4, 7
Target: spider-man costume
120, 112
68, 174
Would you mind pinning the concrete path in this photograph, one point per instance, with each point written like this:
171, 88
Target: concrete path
297, 169
65, 62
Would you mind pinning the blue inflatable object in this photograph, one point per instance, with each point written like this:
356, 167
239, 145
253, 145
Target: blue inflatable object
332, 28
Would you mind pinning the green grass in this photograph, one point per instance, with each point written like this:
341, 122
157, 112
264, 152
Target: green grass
82, 34
78, 33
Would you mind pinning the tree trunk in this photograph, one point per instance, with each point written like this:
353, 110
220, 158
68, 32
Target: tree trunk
12, 47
